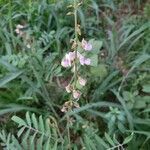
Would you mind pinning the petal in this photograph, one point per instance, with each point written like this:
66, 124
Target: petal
87, 61
76, 94
65, 63
82, 60
84, 42
88, 47
68, 88
71, 55
82, 81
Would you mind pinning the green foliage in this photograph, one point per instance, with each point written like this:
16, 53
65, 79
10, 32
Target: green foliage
115, 106
34, 133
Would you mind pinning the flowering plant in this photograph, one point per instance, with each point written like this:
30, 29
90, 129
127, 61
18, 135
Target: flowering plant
82, 53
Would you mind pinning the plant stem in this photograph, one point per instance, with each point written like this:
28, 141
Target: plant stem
68, 133
10, 24
76, 40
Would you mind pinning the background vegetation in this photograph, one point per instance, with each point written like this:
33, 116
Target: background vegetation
115, 106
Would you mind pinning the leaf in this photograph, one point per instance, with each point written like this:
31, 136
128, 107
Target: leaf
47, 144
28, 119
128, 139
40, 142
94, 60
99, 71
96, 46
146, 88
109, 139
18, 120
47, 127
140, 103
32, 138
9, 78
20, 131
101, 141
34, 120
25, 139
41, 124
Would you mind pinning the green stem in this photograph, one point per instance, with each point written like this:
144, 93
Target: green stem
76, 41
68, 132
10, 24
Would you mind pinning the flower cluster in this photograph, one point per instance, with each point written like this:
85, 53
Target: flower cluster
18, 29
74, 59
70, 60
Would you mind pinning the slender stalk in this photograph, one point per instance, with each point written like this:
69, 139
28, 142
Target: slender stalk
76, 69
75, 40
68, 133
10, 23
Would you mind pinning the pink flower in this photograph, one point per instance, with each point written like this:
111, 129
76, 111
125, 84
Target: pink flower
71, 56
82, 81
65, 63
86, 45
68, 88
67, 60
84, 61
76, 94
87, 61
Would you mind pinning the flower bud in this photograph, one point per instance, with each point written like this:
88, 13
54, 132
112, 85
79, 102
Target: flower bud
82, 81
68, 88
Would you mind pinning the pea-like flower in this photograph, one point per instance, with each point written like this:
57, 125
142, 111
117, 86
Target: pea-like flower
84, 61
76, 94
67, 60
68, 88
82, 81
86, 45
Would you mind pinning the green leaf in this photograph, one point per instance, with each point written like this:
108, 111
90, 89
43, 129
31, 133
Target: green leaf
18, 120
47, 127
32, 138
34, 120
25, 137
140, 103
40, 142
20, 131
96, 46
99, 71
28, 119
47, 144
94, 60
108, 138
9, 78
41, 124
101, 141
146, 88
128, 139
